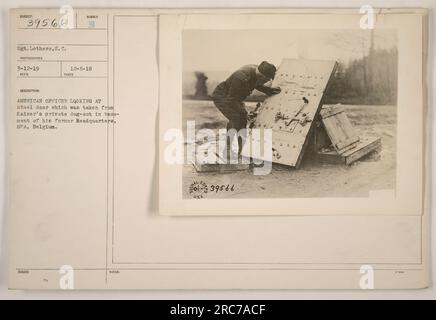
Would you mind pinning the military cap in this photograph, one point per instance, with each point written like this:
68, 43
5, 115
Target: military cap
267, 69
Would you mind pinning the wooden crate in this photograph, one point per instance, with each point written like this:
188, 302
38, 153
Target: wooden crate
336, 141
219, 167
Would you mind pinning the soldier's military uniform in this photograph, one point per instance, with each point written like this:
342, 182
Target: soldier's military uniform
230, 94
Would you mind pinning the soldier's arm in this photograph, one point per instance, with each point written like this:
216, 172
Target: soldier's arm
266, 90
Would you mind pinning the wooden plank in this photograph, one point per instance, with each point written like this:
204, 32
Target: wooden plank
204, 167
339, 128
219, 167
362, 149
330, 111
330, 157
333, 130
346, 125
349, 147
345, 143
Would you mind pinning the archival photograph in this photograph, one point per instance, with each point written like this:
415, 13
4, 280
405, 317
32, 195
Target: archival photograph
289, 113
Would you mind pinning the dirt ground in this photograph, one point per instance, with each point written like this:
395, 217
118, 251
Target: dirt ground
376, 171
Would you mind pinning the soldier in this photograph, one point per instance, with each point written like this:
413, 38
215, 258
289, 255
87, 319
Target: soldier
230, 94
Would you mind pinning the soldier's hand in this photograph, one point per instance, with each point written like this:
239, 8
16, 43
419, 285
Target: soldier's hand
275, 90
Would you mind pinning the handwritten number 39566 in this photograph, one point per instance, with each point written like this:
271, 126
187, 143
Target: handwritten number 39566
46, 23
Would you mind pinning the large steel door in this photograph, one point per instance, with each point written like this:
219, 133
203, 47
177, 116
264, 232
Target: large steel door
291, 113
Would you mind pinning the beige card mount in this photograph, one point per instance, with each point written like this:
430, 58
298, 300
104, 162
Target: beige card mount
90, 190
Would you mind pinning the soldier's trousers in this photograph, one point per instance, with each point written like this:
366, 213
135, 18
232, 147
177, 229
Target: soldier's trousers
237, 115
234, 111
